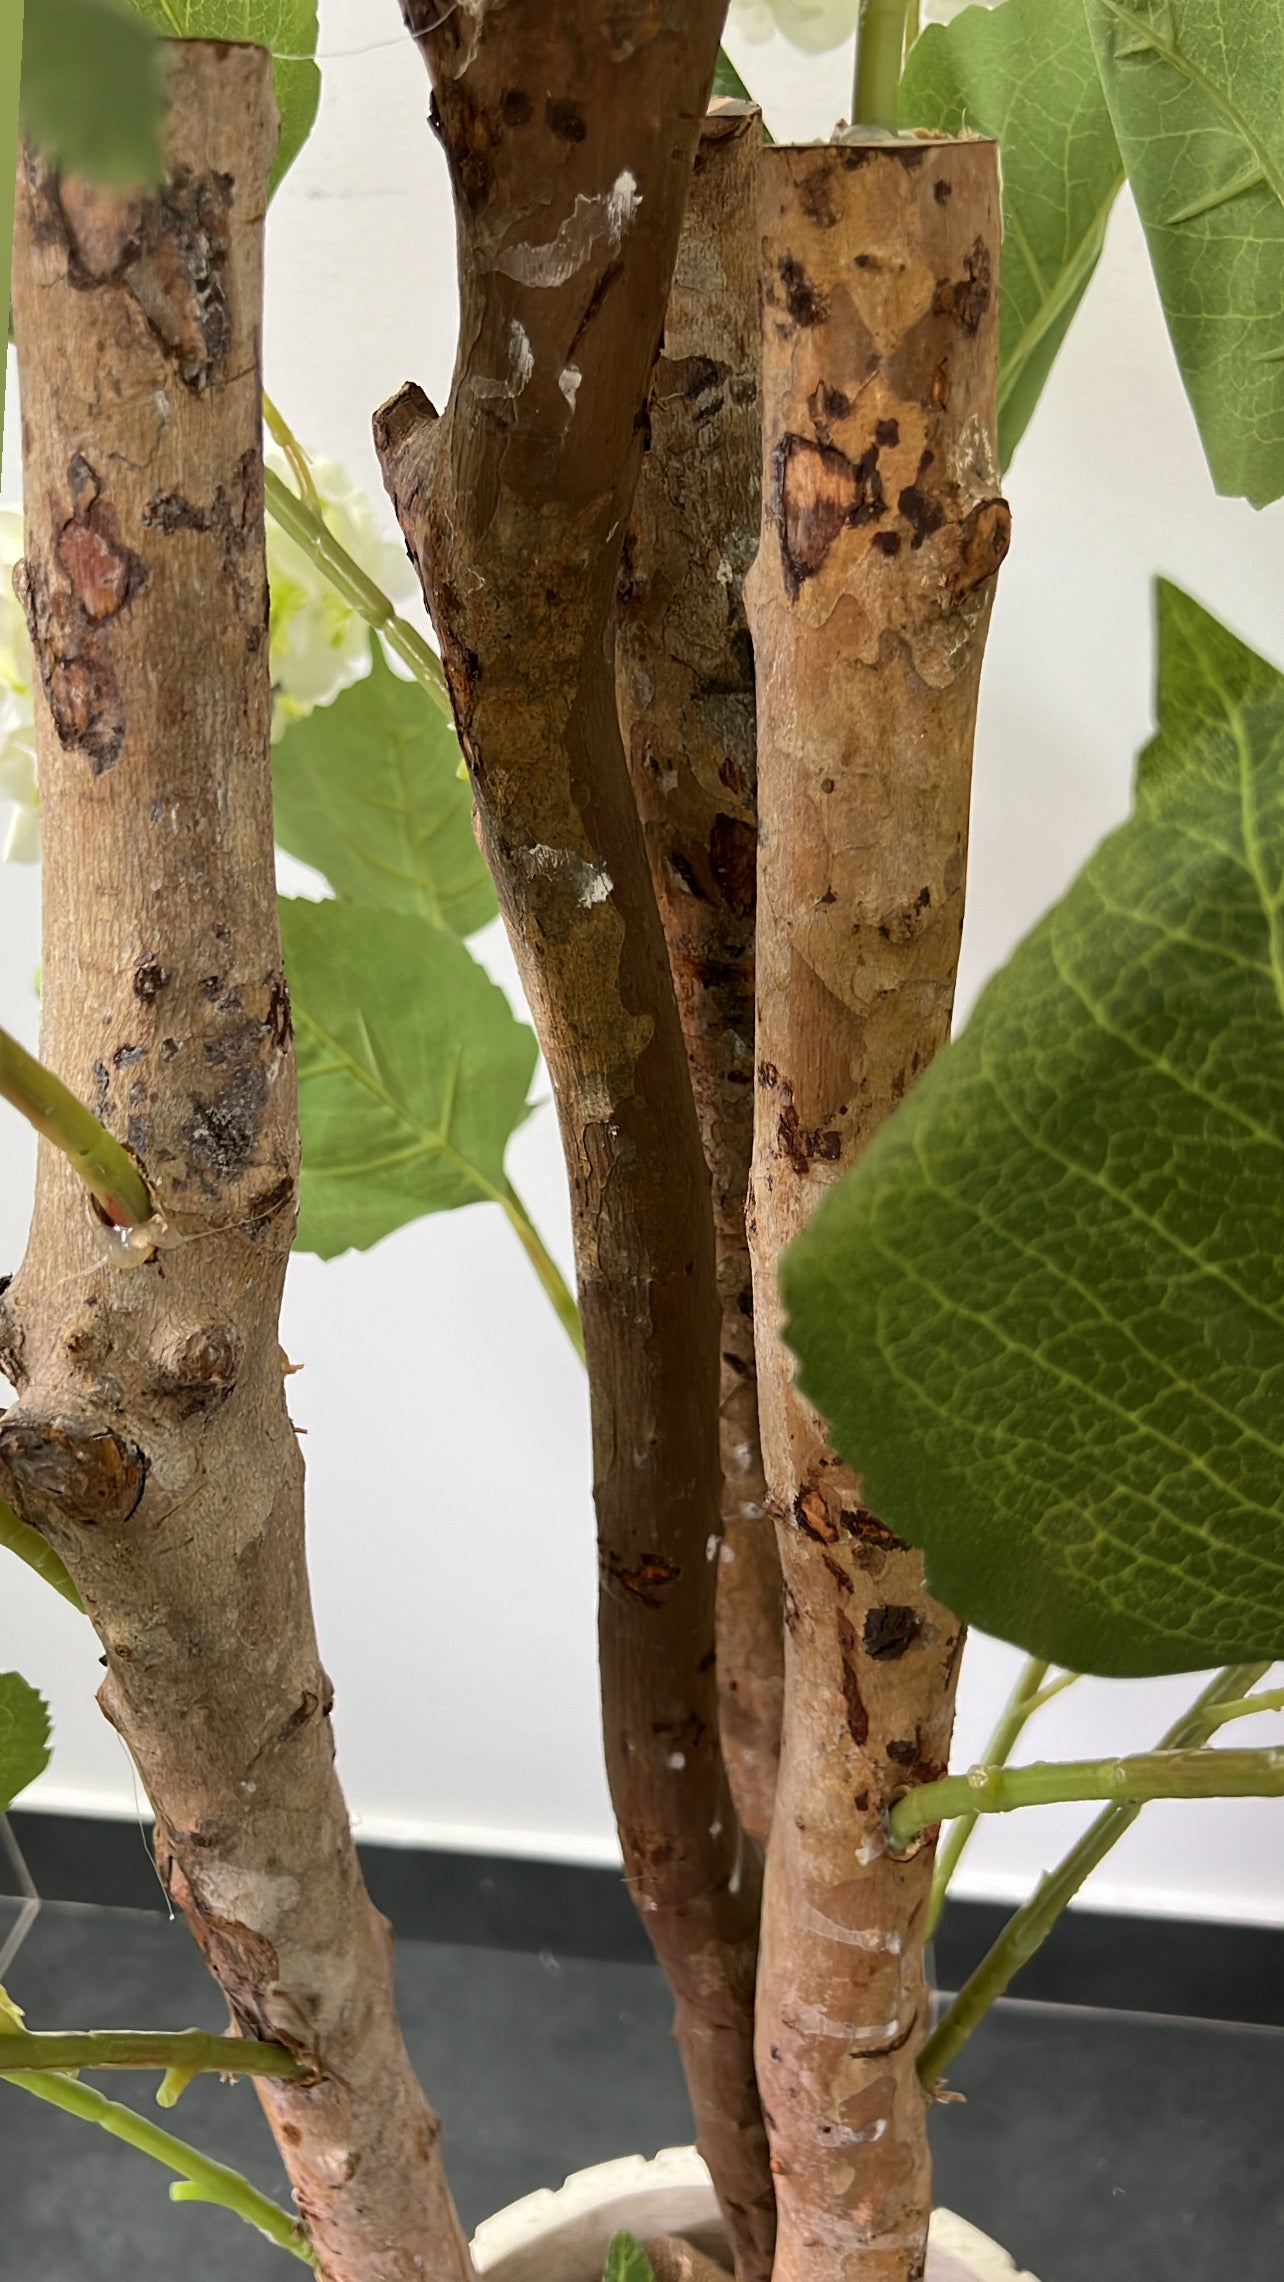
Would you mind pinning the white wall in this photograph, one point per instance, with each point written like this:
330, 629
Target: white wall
450, 1517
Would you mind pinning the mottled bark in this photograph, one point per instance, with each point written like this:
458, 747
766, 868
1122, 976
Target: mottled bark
869, 601
151, 1442
570, 135
684, 680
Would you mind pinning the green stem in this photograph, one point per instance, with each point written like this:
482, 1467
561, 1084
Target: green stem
300, 465
31, 1547
185, 2052
1245, 1707
546, 1268
1022, 1702
106, 1169
1030, 1926
200, 2179
880, 59
310, 532
913, 24
1197, 1774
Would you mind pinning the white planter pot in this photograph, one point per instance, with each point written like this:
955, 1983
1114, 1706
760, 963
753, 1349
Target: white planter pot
561, 2236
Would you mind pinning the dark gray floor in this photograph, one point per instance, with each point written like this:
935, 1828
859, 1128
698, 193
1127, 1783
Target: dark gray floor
1100, 2147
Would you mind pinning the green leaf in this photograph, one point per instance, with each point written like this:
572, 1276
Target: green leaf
1026, 74
626, 2261
24, 1737
368, 791
287, 27
413, 1072
1045, 1313
1196, 91
92, 92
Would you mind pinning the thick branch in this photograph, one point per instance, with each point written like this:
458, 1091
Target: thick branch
684, 678
868, 605
151, 1442
570, 135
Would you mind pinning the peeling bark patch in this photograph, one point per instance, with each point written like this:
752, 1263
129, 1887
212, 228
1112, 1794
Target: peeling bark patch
816, 493
89, 1474
813, 1517
80, 687
966, 298
806, 304
169, 252
853, 1703
889, 1631
103, 574
647, 1580
805, 1146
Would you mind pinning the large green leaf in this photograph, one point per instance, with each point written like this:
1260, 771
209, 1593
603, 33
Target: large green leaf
92, 91
1196, 90
1026, 74
1045, 1313
24, 1736
368, 791
413, 1072
288, 27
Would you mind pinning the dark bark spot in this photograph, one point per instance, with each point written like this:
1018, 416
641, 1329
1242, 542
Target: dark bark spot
150, 978
805, 1146
564, 119
887, 432
806, 304
887, 542
966, 298
278, 1022
826, 405
890, 1631
923, 514
647, 1580
87, 1473
942, 191
792, 1614
125, 1056
224, 1133
686, 872
816, 493
516, 107
853, 1703
768, 1074
904, 1754
867, 1529
816, 200
837, 1575
733, 855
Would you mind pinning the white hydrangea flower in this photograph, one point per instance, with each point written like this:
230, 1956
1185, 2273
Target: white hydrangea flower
818, 25
811, 24
318, 643
17, 726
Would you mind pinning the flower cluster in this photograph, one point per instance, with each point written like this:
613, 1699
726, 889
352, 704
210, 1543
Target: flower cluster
318, 643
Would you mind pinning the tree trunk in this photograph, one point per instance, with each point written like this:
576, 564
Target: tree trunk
151, 1442
868, 603
684, 680
570, 135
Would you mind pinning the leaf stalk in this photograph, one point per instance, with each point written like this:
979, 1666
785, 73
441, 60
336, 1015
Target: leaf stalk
190, 2052
107, 1169
1029, 1927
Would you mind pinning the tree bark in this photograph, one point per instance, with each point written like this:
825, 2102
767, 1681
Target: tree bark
684, 681
151, 1442
570, 135
882, 532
